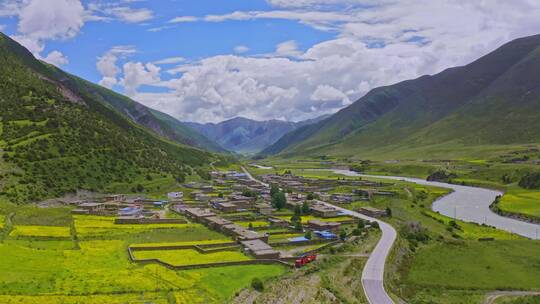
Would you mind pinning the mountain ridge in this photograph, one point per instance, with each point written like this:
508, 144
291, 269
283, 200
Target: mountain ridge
244, 135
393, 115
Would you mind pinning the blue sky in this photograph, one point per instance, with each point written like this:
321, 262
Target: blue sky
211, 60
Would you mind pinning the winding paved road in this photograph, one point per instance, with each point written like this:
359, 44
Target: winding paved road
469, 204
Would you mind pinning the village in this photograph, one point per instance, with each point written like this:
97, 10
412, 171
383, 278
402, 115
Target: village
262, 226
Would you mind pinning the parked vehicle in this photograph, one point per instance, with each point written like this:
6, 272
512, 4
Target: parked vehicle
302, 261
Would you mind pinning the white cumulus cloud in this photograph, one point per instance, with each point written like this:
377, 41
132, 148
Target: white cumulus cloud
375, 43
56, 58
107, 66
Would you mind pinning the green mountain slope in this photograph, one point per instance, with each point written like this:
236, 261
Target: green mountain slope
493, 101
161, 123
57, 136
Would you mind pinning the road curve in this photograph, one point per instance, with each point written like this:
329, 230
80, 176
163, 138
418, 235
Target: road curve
373, 273
469, 204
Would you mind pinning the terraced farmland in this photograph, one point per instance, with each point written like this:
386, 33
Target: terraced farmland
185, 257
40, 231
97, 269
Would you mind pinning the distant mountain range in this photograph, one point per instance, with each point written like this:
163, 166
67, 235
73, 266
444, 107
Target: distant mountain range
60, 133
248, 136
490, 104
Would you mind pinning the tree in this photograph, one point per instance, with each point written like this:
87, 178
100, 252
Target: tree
388, 212
530, 181
361, 224
310, 196
298, 226
374, 225
297, 210
273, 189
343, 234
421, 195
305, 208
257, 284
295, 218
279, 200
307, 235
250, 226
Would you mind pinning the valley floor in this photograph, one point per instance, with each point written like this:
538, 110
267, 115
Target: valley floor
438, 259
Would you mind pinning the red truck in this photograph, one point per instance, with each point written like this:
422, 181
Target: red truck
302, 261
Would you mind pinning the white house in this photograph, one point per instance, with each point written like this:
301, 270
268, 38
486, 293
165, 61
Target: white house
175, 195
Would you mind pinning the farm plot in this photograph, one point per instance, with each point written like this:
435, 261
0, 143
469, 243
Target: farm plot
185, 257
186, 243
521, 201
40, 231
254, 224
100, 227
155, 298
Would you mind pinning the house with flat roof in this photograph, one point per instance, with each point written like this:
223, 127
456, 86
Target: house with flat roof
116, 198
242, 234
265, 209
323, 210
175, 196
226, 207
318, 225
341, 198
197, 214
277, 222
373, 212
216, 223
260, 249
131, 211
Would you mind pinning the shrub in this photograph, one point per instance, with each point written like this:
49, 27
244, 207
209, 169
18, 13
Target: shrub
530, 181
415, 232
257, 284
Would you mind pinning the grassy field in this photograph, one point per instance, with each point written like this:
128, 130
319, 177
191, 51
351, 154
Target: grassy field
255, 224
478, 265
519, 300
155, 298
40, 231
522, 201
474, 231
190, 256
185, 243
101, 227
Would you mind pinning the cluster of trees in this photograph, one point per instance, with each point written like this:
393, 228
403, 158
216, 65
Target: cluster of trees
415, 233
302, 210
530, 180
278, 199
361, 167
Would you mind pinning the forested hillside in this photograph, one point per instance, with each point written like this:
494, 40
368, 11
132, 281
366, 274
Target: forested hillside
57, 137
